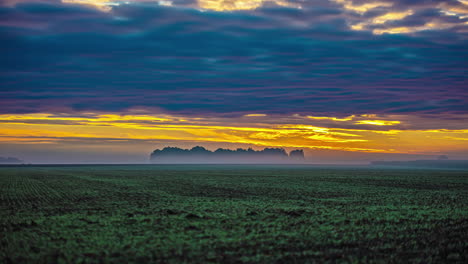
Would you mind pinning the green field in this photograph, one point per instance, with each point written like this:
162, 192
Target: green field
232, 214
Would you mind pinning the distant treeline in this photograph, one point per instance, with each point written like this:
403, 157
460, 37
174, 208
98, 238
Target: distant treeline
201, 155
10, 160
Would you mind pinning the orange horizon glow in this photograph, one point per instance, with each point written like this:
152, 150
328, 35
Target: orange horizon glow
362, 135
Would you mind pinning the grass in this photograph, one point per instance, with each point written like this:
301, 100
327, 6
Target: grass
232, 214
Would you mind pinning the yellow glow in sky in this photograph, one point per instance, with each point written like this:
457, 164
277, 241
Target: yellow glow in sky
254, 115
294, 132
377, 122
392, 16
362, 8
460, 11
404, 30
349, 118
232, 5
103, 5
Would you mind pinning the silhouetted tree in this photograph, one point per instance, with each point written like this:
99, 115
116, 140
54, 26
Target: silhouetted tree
297, 154
10, 160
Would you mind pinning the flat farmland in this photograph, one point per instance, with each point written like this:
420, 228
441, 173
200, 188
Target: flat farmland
232, 214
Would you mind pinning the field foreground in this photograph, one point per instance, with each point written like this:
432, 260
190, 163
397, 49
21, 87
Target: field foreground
232, 214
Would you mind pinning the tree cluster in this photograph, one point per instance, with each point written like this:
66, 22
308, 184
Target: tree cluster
240, 154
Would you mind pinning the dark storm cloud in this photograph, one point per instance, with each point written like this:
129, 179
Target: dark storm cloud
271, 60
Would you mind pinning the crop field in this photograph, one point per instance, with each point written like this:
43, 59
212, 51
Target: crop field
232, 214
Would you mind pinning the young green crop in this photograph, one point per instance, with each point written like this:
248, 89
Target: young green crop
232, 214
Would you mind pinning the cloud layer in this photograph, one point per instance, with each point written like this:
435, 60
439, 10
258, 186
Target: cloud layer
274, 57
109, 81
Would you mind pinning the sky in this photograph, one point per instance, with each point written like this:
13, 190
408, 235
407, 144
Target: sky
348, 81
